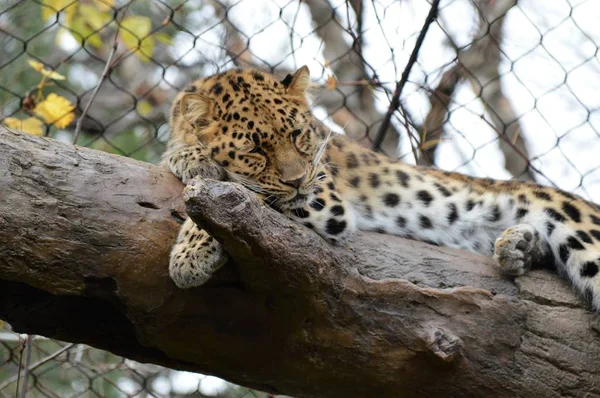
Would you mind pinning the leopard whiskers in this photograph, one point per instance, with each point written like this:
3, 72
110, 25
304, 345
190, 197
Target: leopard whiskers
272, 200
321, 150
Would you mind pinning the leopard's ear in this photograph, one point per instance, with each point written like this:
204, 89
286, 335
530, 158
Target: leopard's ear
297, 83
193, 107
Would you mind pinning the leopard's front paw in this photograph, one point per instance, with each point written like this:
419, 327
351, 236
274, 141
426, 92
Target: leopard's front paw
206, 169
195, 270
195, 257
193, 161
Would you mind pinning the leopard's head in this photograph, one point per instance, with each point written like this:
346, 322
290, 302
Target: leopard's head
259, 129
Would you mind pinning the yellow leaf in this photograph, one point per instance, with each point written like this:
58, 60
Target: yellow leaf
137, 26
51, 7
83, 32
134, 32
104, 5
56, 110
144, 107
39, 67
147, 49
163, 38
93, 17
30, 125
331, 83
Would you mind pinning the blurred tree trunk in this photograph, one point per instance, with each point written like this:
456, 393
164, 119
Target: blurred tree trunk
350, 106
479, 64
84, 244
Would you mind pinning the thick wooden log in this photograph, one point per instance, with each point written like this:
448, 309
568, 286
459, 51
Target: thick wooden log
84, 242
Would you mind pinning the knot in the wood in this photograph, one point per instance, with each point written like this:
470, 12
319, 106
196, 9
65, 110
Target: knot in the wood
444, 344
211, 195
213, 190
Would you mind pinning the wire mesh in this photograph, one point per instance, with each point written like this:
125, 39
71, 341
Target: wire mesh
59, 369
496, 89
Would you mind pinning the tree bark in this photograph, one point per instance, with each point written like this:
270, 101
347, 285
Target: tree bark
84, 243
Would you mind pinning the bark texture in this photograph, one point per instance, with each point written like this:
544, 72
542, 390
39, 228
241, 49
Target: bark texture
84, 242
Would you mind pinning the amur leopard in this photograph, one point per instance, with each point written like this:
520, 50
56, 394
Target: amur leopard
249, 127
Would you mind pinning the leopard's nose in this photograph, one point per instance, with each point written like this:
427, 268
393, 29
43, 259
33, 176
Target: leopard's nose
295, 182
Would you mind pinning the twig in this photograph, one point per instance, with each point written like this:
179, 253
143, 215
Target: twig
79, 353
103, 76
410, 134
18, 376
364, 83
395, 102
29, 343
16, 337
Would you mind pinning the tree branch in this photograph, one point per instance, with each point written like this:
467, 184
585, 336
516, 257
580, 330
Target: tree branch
84, 243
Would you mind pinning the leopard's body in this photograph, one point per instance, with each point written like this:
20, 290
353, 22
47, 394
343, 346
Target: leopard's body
249, 127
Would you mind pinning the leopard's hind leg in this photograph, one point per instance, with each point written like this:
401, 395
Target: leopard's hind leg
518, 248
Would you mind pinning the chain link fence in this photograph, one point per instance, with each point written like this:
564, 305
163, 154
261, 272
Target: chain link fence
35, 366
492, 88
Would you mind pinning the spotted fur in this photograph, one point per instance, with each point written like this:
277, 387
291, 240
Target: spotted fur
247, 126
